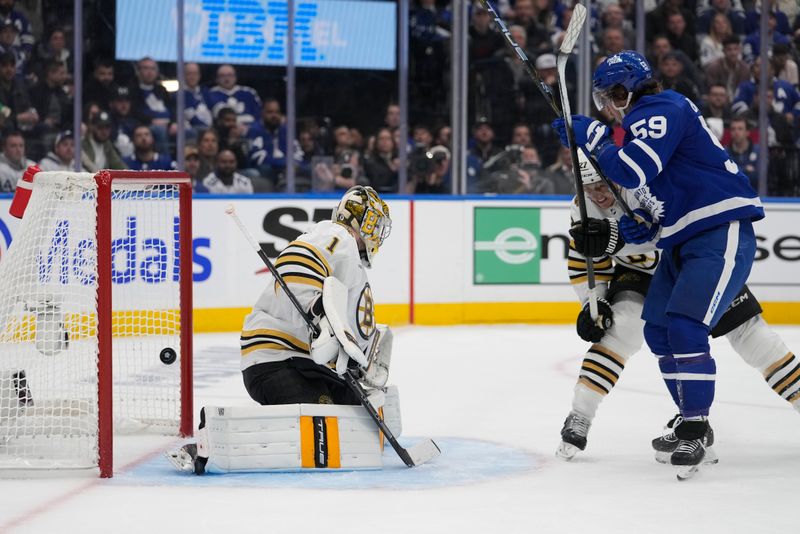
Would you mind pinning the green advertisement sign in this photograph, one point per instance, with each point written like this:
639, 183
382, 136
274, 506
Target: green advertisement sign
506, 246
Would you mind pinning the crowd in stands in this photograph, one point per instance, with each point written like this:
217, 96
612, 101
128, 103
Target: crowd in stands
236, 133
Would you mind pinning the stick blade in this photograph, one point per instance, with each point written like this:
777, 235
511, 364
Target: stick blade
574, 29
423, 452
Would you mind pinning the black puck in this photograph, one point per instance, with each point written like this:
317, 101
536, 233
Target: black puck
168, 356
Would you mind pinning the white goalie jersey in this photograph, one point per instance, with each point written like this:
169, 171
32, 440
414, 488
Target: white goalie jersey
643, 257
274, 330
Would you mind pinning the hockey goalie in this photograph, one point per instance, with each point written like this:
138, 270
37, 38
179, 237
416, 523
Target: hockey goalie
308, 417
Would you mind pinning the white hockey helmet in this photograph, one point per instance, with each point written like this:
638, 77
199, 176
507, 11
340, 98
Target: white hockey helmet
363, 210
588, 174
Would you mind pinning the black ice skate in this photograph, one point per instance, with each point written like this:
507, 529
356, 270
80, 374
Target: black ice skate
691, 451
667, 444
573, 435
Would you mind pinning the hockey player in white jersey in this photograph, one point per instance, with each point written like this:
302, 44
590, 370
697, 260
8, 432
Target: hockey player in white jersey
280, 365
284, 364
623, 273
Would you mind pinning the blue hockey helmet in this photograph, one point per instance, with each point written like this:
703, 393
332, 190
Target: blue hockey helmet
628, 69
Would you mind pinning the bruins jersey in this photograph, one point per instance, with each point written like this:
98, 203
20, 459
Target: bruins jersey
643, 257
274, 330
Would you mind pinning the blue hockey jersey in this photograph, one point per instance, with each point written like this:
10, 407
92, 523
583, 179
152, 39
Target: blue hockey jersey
198, 110
680, 169
267, 148
243, 100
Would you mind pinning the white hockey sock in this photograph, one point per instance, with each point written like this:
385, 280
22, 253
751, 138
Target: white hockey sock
599, 373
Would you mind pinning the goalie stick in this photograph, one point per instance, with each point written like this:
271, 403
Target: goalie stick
411, 456
530, 69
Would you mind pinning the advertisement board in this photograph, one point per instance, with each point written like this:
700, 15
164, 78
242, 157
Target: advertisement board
447, 261
348, 34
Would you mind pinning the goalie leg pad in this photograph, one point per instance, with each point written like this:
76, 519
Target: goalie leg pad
292, 437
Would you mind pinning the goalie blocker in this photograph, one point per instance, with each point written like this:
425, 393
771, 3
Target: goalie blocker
289, 437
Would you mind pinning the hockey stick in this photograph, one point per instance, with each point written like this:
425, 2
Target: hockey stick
530, 69
411, 456
570, 37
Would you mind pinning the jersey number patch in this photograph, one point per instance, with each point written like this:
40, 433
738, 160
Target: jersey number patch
652, 128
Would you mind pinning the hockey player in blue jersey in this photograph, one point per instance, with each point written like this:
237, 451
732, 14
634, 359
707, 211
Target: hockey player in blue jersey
699, 205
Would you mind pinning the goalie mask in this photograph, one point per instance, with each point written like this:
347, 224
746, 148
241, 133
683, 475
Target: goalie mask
363, 210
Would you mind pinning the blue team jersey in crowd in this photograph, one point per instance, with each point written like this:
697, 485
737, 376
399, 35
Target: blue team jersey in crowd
158, 163
786, 97
243, 100
198, 110
682, 172
266, 149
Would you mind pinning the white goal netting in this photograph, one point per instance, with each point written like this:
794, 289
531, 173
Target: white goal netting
49, 416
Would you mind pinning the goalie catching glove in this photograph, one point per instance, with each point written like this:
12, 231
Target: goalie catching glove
594, 330
600, 237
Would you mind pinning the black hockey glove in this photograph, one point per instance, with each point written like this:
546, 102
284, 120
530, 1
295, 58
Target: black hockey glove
593, 331
601, 237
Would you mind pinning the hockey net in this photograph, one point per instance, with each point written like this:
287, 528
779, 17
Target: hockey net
95, 317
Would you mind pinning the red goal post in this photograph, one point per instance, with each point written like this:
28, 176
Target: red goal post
98, 276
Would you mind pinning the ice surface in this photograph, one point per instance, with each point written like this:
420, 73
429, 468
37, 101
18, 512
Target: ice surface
494, 399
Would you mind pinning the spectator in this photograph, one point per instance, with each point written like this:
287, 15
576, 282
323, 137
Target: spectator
267, 139
661, 47
152, 104
711, 46
752, 44
783, 65
25, 39
560, 173
52, 102
347, 160
16, 111
227, 94
306, 159
144, 157
198, 111
8, 36
672, 77
381, 163
729, 70
786, 95
736, 18
540, 113
657, 20
537, 35
484, 147
679, 35
530, 179
614, 17
612, 41
55, 48
717, 109
123, 120
442, 136
779, 133
436, 177
521, 136
62, 157
392, 117
484, 41
422, 136
12, 161
225, 179
208, 148
100, 88
191, 162
230, 137
753, 14
97, 150
742, 150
